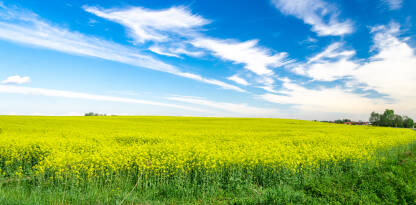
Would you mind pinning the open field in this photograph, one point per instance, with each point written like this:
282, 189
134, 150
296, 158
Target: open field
202, 160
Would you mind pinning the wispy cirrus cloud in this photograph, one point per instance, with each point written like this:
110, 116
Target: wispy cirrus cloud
28, 28
390, 72
394, 4
168, 29
177, 31
175, 50
333, 63
86, 96
16, 79
238, 80
153, 25
322, 16
256, 59
325, 100
235, 108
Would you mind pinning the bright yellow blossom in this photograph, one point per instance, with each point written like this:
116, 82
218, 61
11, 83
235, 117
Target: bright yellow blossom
97, 146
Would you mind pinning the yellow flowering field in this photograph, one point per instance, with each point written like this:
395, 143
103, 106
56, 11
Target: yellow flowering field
98, 146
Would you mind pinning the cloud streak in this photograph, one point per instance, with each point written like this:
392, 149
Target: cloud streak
28, 28
238, 80
325, 100
394, 4
175, 51
176, 32
239, 109
168, 29
86, 96
322, 16
16, 79
152, 25
256, 59
331, 64
390, 72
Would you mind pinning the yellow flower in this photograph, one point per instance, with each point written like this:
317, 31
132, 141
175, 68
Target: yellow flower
94, 147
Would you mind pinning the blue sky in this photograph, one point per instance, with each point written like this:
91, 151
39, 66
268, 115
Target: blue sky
309, 59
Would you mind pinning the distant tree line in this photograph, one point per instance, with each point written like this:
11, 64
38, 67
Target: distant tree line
94, 114
342, 121
350, 122
389, 119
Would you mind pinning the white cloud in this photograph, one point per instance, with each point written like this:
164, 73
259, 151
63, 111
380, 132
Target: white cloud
162, 51
325, 100
211, 81
331, 64
169, 29
173, 51
322, 16
239, 109
268, 88
260, 61
152, 25
16, 79
256, 59
332, 51
176, 32
330, 71
394, 4
28, 28
86, 96
238, 80
311, 40
182, 50
390, 72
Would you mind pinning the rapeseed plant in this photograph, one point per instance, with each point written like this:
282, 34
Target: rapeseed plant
91, 147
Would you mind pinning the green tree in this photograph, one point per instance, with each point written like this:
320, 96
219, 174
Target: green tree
94, 114
387, 119
398, 121
375, 119
408, 122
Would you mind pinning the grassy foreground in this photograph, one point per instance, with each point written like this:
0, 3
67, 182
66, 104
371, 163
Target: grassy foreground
392, 182
159, 160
